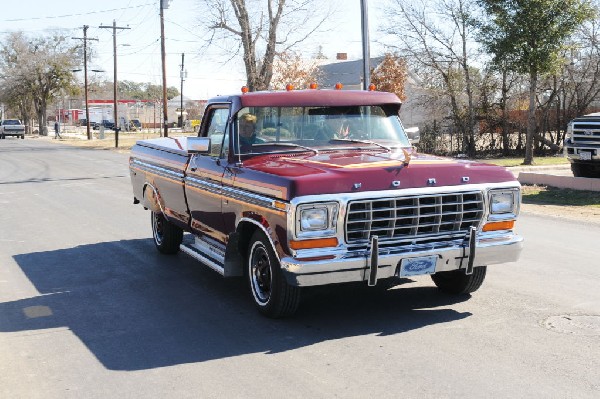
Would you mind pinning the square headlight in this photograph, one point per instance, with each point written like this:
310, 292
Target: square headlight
316, 219
313, 219
502, 202
569, 132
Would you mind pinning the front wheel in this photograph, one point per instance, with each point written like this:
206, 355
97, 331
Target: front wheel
457, 282
167, 236
272, 295
585, 170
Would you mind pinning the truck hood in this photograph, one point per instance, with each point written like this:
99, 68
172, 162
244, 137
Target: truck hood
290, 176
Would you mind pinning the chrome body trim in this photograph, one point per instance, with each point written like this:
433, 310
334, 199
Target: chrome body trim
155, 169
231, 193
199, 256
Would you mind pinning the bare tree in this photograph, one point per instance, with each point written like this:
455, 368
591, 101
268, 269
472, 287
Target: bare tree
37, 69
260, 29
437, 37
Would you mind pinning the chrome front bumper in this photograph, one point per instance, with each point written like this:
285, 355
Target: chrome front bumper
356, 266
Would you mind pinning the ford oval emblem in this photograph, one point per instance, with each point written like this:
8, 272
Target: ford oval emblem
418, 266
588, 132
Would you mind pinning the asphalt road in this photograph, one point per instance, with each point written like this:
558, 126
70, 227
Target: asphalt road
89, 309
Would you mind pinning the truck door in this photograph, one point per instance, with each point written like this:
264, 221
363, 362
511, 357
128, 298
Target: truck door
203, 181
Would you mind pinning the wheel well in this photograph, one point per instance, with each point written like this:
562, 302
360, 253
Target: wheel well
245, 231
151, 198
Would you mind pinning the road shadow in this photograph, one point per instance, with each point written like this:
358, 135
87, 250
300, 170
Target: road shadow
135, 309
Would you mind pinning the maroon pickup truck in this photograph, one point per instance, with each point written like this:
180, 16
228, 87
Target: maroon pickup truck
312, 187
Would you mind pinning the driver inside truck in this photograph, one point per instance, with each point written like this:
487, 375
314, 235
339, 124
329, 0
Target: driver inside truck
247, 132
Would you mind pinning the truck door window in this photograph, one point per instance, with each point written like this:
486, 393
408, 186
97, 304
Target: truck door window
217, 132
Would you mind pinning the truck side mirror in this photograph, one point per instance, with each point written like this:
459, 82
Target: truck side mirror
198, 145
413, 135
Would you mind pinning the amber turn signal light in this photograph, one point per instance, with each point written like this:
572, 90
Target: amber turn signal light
316, 243
494, 226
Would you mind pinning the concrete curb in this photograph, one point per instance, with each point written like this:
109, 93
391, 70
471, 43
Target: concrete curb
541, 167
575, 183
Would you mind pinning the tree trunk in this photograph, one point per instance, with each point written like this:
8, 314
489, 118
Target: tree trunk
505, 140
531, 118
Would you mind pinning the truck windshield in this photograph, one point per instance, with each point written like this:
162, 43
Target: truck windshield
319, 128
11, 122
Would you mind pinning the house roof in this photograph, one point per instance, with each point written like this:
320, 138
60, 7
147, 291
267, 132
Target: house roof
348, 73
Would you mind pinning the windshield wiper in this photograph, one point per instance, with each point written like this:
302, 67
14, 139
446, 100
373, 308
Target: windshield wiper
279, 144
363, 142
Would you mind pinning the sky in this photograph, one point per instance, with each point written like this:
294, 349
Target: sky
138, 48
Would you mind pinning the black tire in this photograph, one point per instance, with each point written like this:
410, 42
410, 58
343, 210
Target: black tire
167, 236
271, 293
22, 137
457, 282
584, 170
2, 136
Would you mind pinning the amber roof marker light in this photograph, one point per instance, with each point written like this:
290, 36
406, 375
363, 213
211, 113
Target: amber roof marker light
313, 86
339, 86
244, 89
289, 87
372, 87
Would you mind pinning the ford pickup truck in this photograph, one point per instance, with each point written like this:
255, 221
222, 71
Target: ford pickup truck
313, 187
582, 145
12, 127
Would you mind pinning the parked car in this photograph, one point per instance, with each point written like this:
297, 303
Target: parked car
12, 127
582, 145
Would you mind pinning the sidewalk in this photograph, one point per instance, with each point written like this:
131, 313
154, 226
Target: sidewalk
554, 175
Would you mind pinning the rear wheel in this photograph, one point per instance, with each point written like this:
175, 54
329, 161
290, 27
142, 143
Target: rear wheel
167, 236
457, 282
272, 295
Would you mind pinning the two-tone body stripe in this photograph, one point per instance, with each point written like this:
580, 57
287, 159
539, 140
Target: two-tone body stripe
231, 193
157, 170
207, 185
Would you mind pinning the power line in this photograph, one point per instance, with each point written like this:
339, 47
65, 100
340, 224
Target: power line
74, 15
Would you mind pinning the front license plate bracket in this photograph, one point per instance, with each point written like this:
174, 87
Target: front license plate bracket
417, 266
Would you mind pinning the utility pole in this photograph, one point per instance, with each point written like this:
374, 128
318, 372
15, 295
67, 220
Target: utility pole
114, 27
364, 19
164, 4
85, 78
183, 76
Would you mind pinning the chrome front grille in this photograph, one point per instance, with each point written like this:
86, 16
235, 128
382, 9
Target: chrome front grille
419, 219
586, 133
